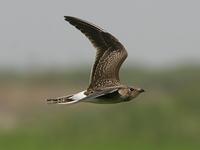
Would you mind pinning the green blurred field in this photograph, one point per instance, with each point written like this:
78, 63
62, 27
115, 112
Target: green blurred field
166, 117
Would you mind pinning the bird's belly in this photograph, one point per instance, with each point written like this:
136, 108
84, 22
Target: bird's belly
107, 101
110, 98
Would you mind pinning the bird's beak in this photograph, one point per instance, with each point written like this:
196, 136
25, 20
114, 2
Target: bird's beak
141, 90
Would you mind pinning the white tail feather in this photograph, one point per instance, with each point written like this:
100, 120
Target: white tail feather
78, 96
68, 99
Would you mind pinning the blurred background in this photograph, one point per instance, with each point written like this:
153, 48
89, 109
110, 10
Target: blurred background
42, 56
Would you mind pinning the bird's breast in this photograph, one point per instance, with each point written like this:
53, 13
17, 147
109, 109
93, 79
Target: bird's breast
109, 98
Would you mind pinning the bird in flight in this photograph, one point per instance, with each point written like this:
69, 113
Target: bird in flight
105, 86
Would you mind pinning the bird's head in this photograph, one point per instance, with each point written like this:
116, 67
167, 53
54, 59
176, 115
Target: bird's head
130, 92
134, 92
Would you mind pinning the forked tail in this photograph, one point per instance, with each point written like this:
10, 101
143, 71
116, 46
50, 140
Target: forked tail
67, 99
60, 100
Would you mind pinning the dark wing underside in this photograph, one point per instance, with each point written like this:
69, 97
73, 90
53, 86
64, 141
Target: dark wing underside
109, 57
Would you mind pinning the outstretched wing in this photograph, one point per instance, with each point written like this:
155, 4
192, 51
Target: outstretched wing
109, 57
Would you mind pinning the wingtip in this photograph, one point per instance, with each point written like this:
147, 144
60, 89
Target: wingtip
68, 18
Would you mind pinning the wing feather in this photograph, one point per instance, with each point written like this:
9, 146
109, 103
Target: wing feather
109, 56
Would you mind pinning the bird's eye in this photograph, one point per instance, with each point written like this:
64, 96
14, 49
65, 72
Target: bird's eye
132, 89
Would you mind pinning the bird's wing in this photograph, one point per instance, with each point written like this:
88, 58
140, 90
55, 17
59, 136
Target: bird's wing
81, 96
109, 56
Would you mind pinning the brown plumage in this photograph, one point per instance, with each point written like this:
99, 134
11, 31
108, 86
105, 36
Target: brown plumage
104, 78
109, 57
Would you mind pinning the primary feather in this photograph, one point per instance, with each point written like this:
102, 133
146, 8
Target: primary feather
109, 56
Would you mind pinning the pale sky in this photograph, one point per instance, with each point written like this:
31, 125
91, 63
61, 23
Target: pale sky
154, 32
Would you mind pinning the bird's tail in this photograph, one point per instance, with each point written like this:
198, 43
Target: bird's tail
70, 99
61, 100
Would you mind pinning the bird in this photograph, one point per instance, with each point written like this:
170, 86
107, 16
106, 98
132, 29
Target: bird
105, 86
